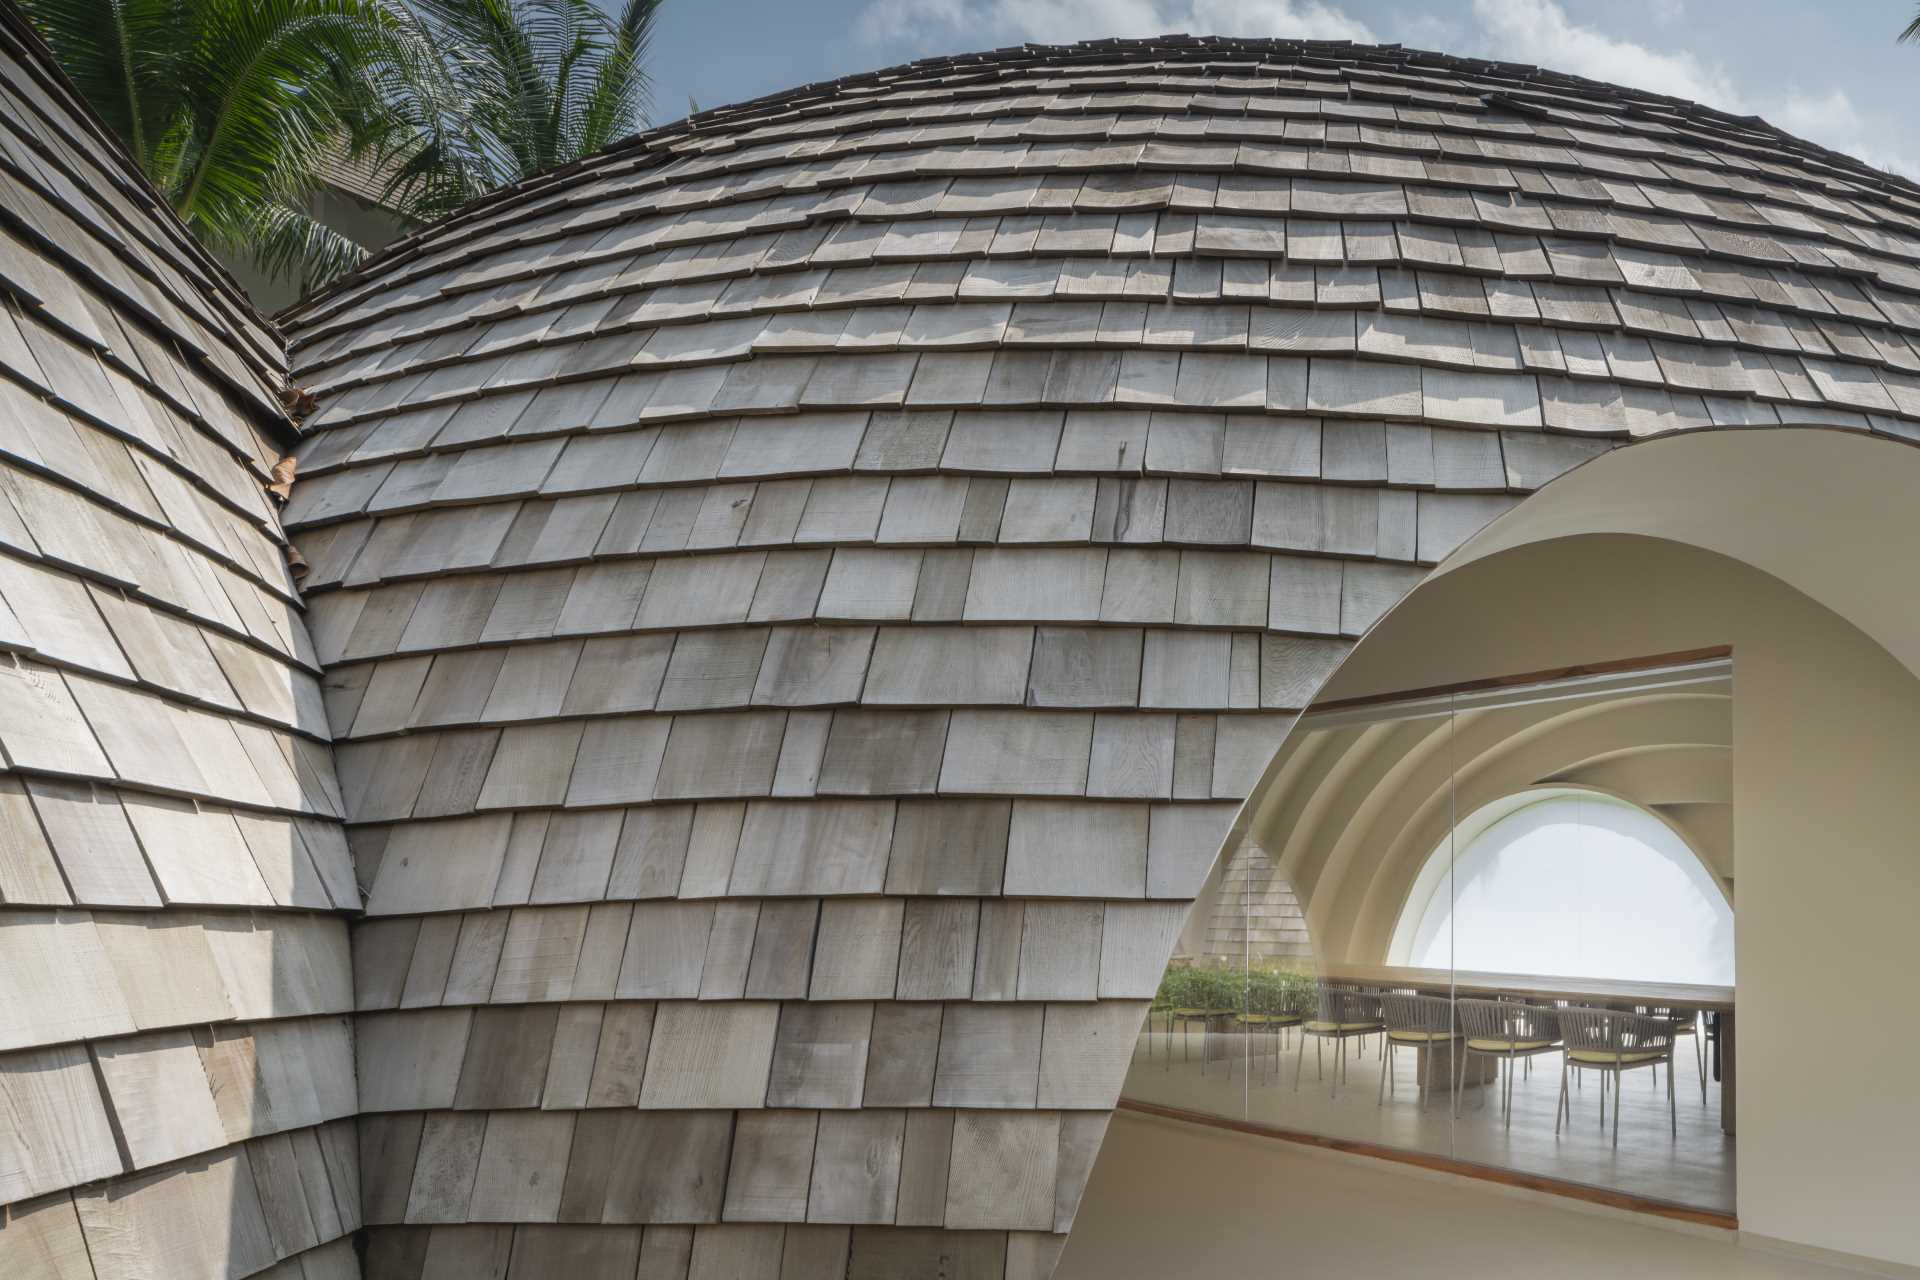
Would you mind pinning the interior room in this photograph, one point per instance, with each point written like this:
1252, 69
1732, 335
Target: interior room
1492, 924
1707, 674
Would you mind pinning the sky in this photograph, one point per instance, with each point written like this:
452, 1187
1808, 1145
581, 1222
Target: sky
1825, 70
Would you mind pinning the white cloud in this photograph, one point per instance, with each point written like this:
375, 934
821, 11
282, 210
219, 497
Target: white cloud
1667, 13
989, 22
1832, 120
1539, 32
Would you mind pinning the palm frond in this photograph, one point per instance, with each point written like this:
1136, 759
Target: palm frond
425, 139
269, 74
290, 244
236, 108
1912, 31
124, 57
616, 106
506, 90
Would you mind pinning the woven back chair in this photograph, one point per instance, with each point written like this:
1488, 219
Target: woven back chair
1270, 1014
1341, 1012
1416, 1017
1506, 1031
1685, 1022
1422, 1023
1613, 1042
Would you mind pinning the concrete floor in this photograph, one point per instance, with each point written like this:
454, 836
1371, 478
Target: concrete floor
1694, 1167
1172, 1199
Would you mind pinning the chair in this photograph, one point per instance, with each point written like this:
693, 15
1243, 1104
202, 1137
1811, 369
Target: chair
1613, 1042
1271, 1011
1508, 1032
1184, 1018
1415, 1021
1341, 1013
1685, 1022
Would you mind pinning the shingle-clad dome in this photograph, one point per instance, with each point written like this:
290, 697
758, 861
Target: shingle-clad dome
176, 1063
804, 593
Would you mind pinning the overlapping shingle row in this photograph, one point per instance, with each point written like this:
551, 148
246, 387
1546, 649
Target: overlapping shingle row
176, 1066
804, 592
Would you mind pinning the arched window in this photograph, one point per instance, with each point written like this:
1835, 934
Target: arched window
1569, 883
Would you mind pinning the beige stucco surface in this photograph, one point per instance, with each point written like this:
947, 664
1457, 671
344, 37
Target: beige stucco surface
1172, 1200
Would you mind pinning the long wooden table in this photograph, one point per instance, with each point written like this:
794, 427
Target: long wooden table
1537, 986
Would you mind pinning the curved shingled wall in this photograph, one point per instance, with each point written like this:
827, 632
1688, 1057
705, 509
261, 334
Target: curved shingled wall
804, 592
176, 1063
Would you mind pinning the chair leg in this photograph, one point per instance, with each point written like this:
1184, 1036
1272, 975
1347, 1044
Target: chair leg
1673, 1108
1381, 1099
1700, 1054
1299, 1060
1565, 1102
1616, 1108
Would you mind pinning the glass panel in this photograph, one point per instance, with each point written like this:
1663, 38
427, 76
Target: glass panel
1433, 898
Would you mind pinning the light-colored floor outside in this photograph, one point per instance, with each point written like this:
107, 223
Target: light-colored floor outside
1694, 1167
1173, 1199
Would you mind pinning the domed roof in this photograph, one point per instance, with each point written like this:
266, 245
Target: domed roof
805, 591
176, 1063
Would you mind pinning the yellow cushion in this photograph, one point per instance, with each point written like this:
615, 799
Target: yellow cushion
1418, 1037
1198, 1013
1605, 1056
1268, 1019
1507, 1046
1317, 1025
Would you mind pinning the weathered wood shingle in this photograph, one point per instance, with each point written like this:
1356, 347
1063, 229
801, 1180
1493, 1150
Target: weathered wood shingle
804, 592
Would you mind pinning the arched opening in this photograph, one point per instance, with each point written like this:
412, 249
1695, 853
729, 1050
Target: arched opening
1571, 883
1776, 552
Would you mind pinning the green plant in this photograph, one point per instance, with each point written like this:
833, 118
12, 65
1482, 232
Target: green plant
505, 89
235, 109
1260, 989
232, 107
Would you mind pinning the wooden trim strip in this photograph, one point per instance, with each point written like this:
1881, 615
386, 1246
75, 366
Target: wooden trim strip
1442, 1164
1615, 666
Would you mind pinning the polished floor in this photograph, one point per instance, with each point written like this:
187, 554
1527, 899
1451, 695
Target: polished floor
1693, 1167
1172, 1199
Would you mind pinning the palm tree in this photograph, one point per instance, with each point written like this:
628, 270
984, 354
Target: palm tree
231, 107
511, 88
1912, 31
236, 108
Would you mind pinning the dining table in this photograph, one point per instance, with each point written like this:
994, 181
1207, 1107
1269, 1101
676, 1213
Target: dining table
1715, 1001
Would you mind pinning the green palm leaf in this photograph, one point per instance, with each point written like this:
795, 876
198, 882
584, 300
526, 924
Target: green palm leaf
236, 108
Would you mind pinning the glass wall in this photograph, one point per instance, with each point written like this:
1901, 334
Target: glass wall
1493, 925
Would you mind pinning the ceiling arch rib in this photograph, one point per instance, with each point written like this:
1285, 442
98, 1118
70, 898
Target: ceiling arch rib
1353, 832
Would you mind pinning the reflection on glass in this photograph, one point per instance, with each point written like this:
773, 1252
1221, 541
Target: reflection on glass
1493, 925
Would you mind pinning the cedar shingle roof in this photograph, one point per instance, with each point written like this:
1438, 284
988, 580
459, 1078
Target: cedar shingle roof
175, 1065
828, 570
